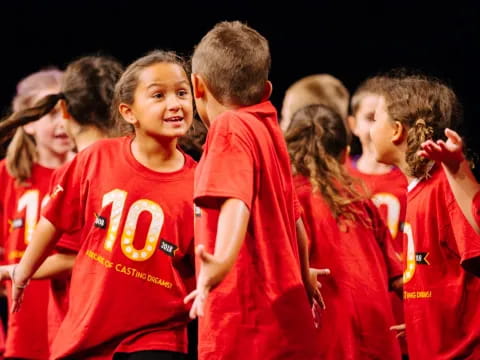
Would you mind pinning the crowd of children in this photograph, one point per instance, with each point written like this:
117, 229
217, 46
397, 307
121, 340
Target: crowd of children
280, 242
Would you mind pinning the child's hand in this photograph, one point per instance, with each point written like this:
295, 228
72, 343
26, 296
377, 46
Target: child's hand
314, 286
450, 153
209, 270
18, 287
400, 329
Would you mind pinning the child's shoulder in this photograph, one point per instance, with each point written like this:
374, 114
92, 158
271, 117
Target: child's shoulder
107, 145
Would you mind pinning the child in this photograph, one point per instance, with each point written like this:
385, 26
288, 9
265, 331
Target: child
132, 197
347, 236
322, 89
441, 298
35, 151
460, 177
386, 183
258, 306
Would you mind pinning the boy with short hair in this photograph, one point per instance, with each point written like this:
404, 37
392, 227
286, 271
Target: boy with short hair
253, 278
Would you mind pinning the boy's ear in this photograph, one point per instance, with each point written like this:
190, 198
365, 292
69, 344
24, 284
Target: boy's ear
399, 133
352, 123
268, 91
198, 86
126, 111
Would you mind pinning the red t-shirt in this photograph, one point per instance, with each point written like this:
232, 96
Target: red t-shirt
260, 310
389, 193
129, 278
476, 208
442, 311
60, 286
355, 324
20, 209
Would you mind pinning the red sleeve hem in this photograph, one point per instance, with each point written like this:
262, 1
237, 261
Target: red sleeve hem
221, 194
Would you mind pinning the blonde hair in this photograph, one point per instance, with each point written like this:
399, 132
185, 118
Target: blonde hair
22, 151
323, 89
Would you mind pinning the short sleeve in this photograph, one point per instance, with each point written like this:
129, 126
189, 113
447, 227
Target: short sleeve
65, 207
466, 242
226, 169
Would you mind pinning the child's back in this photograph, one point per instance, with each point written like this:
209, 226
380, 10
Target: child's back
260, 309
348, 237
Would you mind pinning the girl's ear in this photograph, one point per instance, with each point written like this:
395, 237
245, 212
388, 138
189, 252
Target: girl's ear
399, 133
198, 86
127, 113
29, 128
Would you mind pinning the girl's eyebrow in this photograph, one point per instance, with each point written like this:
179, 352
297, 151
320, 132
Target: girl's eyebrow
158, 83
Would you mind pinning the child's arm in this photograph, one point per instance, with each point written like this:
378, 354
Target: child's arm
309, 275
43, 241
460, 177
231, 230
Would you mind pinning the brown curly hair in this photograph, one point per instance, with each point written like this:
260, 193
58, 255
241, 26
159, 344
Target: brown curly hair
316, 139
425, 106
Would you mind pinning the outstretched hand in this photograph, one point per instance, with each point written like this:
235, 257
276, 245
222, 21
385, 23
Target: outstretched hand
209, 269
450, 153
400, 329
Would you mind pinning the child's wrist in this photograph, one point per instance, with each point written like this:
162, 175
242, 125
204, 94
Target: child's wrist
18, 280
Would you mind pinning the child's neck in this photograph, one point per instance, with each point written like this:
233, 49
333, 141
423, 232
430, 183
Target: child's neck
157, 155
50, 159
87, 136
368, 165
216, 108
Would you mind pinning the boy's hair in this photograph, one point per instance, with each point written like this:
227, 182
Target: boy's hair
371, 86
87, 88
321, 89
21, 152
425, 106
234, 60
316, 138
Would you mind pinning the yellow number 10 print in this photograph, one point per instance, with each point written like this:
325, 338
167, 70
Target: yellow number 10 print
117, 199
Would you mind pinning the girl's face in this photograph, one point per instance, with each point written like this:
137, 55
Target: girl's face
163, 105
382, 132
49, 132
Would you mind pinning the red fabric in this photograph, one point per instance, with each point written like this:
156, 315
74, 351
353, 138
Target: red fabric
476, 208
20, 204
126, 293
389, 193
441, 299
355, 324
260, 310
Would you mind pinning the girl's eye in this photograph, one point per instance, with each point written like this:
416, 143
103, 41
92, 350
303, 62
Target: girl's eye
158, 95
182, 93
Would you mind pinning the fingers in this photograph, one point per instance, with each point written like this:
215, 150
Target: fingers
190, 297
453, 136
319, 272
400, 327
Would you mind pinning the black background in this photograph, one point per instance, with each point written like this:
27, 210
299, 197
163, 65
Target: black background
348, 40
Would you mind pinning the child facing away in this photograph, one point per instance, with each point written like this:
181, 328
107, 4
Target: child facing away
35, 151
133, 198
348, 236
252, 274
442, 252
